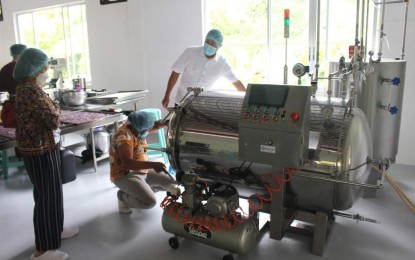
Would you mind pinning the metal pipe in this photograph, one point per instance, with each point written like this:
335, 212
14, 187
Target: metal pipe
404, 29
381, 30
312, 35
318, 41
285, 66
391, 2
270, 20
367, 27
362, 26
381, 34
336, 181
356, 216
356, 37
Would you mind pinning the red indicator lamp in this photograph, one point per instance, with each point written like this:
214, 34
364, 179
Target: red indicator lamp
294, 116
286, 23
286, 17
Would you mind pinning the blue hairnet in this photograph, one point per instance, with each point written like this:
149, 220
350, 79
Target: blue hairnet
30, 62
141, 120
17, 49
216, 36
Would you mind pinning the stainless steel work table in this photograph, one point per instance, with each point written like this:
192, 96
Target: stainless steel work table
97, 104
79, 122
111, 100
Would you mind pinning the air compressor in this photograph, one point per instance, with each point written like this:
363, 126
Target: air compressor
207, 213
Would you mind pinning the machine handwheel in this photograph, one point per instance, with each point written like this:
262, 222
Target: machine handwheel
174, 242
228, 257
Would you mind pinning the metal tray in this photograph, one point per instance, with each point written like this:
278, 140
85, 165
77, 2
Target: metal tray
114, 98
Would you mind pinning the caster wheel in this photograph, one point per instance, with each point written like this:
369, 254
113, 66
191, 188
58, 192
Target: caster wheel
174, 242
228, 257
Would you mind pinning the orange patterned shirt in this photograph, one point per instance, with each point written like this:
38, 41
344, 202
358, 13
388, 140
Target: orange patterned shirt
121, 137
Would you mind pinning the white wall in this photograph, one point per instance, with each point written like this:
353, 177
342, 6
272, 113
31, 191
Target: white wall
133, 45
169, 27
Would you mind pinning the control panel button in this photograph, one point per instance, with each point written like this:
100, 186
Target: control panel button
275, 117
265, 117
276, 111
255, 116
294, 116
246, 115
283, 114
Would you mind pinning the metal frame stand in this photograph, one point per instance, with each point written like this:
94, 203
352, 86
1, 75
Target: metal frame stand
317, 225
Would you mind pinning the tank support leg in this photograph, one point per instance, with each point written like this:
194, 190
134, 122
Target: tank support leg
372, 179
277, 209
317, 225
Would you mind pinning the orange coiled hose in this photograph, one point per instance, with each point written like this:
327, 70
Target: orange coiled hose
205, 223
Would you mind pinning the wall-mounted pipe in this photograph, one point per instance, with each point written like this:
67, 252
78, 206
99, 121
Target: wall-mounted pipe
318, 40
362, 28
390, 2
356, 37
304, 174
404, 29
381, 34
367, 29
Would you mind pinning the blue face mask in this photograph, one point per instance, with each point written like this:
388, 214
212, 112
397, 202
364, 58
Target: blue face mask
209, 50
143, 135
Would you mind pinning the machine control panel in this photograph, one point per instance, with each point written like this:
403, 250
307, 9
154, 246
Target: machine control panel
274, 124
260, 108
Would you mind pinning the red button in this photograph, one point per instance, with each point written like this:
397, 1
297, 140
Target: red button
246, 115
275, 117
294, 116
255, 116
264, 117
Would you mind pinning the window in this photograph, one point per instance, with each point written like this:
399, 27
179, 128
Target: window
254, 41
60, 32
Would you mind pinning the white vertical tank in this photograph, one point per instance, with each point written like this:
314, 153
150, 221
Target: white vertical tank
380, 98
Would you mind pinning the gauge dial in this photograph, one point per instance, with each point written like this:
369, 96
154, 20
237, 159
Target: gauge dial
299, 70
327, 111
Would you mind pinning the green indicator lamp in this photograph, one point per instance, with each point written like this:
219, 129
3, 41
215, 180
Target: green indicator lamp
286, 23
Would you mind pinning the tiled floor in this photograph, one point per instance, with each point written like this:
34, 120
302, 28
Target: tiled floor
91, 204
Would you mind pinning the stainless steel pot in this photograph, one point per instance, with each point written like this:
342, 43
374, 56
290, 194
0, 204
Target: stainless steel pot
58, 93
74, 98
102, 140
80, 82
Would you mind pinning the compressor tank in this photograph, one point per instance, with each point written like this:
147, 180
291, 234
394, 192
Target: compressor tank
239, 239
204, 138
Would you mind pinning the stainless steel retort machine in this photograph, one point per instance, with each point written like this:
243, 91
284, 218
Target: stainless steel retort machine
268, 154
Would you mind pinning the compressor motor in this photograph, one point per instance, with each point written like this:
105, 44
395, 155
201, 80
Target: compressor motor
207, 214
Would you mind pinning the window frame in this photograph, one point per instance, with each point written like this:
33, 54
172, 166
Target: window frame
315, 42
71, 69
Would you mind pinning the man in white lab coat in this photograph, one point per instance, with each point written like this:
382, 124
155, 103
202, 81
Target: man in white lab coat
200, 66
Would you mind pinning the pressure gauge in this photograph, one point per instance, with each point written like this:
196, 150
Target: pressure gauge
299, 70
327, 111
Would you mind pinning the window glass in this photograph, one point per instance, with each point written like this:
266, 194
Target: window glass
294, 49
244, 25
61, 32
255, 45
25, 26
